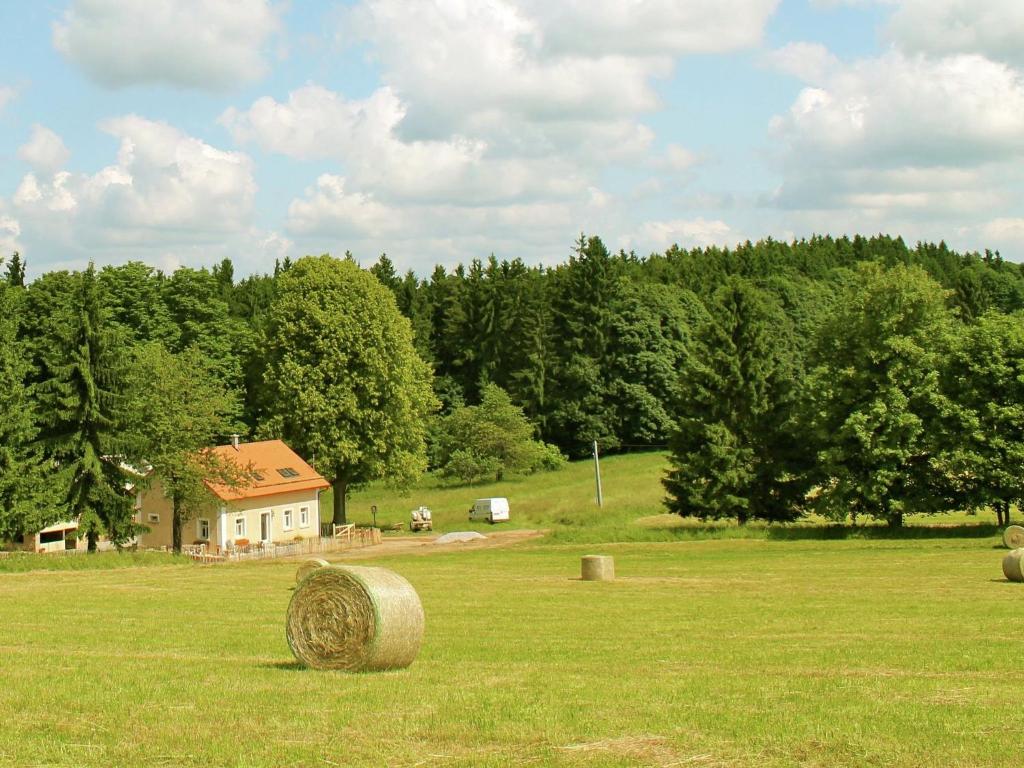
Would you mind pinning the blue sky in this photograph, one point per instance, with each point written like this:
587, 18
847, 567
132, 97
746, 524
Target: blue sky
183, 131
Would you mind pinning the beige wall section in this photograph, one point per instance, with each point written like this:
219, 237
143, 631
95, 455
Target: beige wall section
251, 511
161, 533
154, 502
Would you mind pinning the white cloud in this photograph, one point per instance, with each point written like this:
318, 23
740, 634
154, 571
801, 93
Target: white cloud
900, 110
330, 209
7, 94
645, 27
164, 187
45, 150
10, 229
993, 28
206, 44
362, 135
679, 158
687, 233
810, 62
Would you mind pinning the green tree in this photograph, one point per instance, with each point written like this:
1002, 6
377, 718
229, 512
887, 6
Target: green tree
179, 410
346, 388
15, 276
488, 440
82, 413
985, 379
877, 409
732, 454
22, 482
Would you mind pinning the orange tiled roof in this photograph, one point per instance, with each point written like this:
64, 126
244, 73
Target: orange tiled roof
266, 458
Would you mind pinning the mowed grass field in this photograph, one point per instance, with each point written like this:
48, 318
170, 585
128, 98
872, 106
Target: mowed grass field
705, 651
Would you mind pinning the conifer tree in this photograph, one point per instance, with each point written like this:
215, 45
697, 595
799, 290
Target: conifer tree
729, 455
81, 410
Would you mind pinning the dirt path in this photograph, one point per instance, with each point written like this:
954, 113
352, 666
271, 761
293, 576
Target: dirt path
424, 545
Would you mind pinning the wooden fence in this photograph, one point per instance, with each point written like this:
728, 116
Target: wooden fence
345, 537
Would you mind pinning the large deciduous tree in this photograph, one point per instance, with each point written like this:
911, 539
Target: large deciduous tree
877, 407
180, 408
345, 386
985, 378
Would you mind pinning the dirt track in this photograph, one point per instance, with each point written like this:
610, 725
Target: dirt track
424, 545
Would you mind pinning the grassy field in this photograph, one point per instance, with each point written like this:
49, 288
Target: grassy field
709, 653
706, 651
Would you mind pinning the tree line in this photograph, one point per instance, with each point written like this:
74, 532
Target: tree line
845, 376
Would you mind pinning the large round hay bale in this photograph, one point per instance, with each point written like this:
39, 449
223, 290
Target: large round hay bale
1012, 566
308, 567
1013, 536
598, 568
355, 618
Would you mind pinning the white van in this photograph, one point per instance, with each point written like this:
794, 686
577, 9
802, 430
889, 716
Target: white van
492, 510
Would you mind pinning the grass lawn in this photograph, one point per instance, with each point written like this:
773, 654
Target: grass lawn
716, 646
703, 653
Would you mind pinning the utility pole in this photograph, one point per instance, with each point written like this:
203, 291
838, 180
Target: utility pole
597, 476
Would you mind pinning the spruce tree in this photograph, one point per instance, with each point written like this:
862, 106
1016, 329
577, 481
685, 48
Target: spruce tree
729, 454
81, 410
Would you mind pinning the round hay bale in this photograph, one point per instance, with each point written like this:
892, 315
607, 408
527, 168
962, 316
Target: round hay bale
308, 567
598, 568
1013, 569
355, 618
1013, 536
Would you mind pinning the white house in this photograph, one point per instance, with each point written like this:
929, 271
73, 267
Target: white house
280, 504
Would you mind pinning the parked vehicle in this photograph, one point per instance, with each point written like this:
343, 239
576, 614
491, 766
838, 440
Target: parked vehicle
422, 520
493, 510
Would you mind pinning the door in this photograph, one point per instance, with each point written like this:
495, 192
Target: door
265, 527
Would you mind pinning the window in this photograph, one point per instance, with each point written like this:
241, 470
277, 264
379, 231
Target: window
257, 476
51, 537
153, 517
239, 527
304, 517
203, 528
287, 519
287, 472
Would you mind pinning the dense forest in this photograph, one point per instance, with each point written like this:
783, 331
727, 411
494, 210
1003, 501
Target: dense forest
848, 376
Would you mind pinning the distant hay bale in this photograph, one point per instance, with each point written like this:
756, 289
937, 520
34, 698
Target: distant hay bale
308, 567
1012, 567
356, 619
598, 568
1013, 536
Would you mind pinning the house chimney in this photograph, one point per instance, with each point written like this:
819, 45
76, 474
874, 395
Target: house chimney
234, 441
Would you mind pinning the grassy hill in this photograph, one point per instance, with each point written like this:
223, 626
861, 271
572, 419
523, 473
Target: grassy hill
562, 500
564, 503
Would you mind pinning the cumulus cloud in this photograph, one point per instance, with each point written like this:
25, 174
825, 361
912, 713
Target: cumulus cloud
164, 186
810, 62
899, 110
598, 27
329, 209
10, 229
206, 44
994, 28
688, 233
45, 150
363, 136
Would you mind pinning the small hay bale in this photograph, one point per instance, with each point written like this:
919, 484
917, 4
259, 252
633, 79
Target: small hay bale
1012, 566
598, 568
356, 619
308, 567
1013, 536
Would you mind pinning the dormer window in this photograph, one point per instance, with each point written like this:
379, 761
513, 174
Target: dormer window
287, 472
